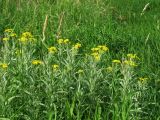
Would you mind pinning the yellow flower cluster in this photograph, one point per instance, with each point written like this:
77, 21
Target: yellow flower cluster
8, 30
63, 41
9, 33
55, 67
132, 56
96, 56
37, 62
3, 65
131, 60
5, 39
143, 79
77, 46
52, 49
26, 37
13, 35
98, 51
130, 63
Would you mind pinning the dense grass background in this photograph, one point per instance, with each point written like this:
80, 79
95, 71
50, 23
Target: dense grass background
115, 23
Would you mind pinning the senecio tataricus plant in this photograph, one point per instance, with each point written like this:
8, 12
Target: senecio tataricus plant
61, 82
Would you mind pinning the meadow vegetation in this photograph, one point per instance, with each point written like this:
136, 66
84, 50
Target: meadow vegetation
79, 60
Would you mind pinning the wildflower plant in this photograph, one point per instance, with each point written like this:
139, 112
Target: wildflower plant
62, 78
98, 51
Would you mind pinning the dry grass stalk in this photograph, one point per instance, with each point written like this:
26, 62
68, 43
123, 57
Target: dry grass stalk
145, 8
44, 28
59, 26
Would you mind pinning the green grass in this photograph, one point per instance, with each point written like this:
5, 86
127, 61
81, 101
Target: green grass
37, 92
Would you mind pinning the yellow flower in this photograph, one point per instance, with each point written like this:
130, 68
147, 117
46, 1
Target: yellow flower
132, 56
116, 61
143, 79
4, 65
133, 64
52, 49
96, 56
13, 35
23, 39
66, 41
103, 48
55, 67
100, 49
27, 35
60, 41
5, 39
37, 62
8, 30
95, 49
130, 63
77, 46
